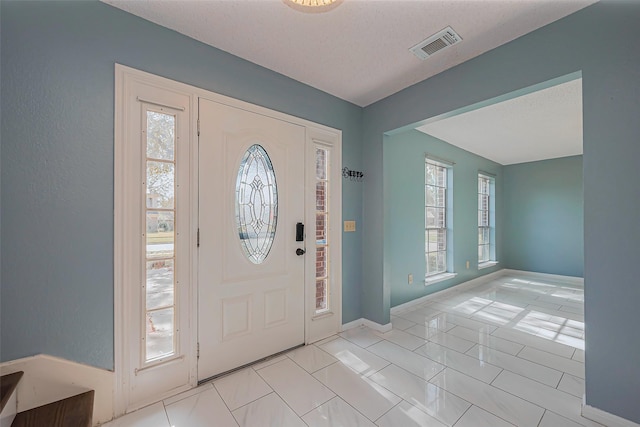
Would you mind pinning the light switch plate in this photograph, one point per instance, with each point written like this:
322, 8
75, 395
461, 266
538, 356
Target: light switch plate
349, 226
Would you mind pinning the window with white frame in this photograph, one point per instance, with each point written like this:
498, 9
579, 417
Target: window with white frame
436, 188
486, 252
322, 230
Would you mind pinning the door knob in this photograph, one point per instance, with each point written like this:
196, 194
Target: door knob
300, 251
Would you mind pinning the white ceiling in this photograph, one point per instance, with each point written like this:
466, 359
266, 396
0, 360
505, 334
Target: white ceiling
541, 125
358, 51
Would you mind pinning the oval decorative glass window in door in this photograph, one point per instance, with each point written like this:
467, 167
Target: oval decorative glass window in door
256, 204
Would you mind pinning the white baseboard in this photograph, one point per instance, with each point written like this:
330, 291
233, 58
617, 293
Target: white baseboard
456, 288
605, 418
570, 279
47, 379
366, 322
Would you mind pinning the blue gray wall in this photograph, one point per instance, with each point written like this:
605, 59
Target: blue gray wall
57, 88
544, 216
611, 107
404, 227
57, 167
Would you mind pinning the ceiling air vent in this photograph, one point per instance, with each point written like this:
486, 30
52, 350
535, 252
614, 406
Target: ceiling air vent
435, 43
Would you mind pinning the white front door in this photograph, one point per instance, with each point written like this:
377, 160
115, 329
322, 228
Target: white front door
251, 274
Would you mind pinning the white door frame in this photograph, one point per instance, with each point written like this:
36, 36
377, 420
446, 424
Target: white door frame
122, 224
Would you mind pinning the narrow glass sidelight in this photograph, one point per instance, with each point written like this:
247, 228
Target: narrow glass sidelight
160, 237
256, 204
322, 230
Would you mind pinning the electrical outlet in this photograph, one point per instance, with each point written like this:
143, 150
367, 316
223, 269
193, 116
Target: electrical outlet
349, 226
467, 265
410, 279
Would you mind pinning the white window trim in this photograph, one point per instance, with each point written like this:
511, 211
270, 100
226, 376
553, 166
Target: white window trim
127, 223
487, 264
437, 278
492, 261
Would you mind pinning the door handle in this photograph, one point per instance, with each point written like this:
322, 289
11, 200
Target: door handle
300, 251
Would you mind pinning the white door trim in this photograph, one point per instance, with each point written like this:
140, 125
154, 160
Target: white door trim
121, 263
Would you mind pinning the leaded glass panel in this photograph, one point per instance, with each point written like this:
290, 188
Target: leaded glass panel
256, 204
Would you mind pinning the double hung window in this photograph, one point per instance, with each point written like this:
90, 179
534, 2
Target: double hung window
436, 211
486, 235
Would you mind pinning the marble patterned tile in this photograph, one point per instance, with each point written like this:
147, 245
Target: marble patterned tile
497, 314
570, 308
544, 396
269, 361
453, 342
572, 385
494, 400
543, 374
269, 410
311, 358
534, 341
336, 412
188, 393
326, 340
543, 308
424, 331
477, 417
578, 356
406, 415
432, 400
470, 306
295, 386
200, 410
486, 339
369, 398
551, 419
553, 361
150, 416
355, 357
468, 365
399, 323
560, 338
403, 339
241, 387
362, 336
470, 323
436, 321
408, 360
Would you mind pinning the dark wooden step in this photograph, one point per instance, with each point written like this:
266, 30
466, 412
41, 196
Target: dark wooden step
8, 384
74, 411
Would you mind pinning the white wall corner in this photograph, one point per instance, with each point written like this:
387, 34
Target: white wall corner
47, 379
368, 323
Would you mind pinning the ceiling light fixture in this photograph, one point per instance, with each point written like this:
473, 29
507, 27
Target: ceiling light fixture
313, 6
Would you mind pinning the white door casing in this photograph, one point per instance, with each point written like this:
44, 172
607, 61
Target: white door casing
135, 387
142, 379
321, 324
247, 311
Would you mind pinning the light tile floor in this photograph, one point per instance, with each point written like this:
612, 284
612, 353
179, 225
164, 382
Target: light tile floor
505, 353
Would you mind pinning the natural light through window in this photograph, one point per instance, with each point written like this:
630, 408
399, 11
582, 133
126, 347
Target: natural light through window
486, 221
160, 236
436, 187
322, 230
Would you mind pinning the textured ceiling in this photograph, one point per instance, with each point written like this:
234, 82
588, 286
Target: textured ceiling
358, 51
541, 125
